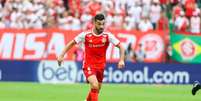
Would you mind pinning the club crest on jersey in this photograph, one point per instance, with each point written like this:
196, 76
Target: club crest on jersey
103, 40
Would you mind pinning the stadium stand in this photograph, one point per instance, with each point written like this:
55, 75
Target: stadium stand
77, 14
128, 15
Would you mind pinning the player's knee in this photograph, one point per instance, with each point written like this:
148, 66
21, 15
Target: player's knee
95, 86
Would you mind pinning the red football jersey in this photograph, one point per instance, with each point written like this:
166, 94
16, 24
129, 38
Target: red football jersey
95, 47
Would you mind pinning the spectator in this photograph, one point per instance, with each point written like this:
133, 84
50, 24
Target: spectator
130, 55
59, 8
155, 13
75, 6
145, 24
1, 5
15, 13
168, 53
2, 25
130, 3
85, 18
120, 13
129, 23
164, 4
95, 7
163, 22
140, 54
118, 20
68, 22
135, 12
6, 12
189, 7
89, 25
51, 22
199, 3
75, 25
181, 22
119, 5
17, 23
174, 2
63, 21
51, 10
176, 11
146, 4
107, 5
33, 21
195, 23
109, 19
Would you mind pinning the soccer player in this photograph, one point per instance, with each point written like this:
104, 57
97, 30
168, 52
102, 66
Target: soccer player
95, 42
196, 87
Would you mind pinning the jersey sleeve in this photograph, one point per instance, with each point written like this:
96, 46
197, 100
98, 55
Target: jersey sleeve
80, 38
113, 39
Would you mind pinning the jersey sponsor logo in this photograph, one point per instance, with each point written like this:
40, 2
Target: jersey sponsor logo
96, 45
50, 72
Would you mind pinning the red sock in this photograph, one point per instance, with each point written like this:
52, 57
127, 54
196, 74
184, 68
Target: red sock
89, 96
94, 95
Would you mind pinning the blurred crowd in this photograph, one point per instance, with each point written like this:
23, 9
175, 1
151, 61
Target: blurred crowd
140, 15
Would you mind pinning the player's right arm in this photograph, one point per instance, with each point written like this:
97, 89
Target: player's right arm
66, 48
78, 39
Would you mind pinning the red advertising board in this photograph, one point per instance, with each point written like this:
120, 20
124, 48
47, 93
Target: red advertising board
47, 44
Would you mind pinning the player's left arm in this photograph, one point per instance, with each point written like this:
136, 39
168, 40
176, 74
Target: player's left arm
121, 63
117, 43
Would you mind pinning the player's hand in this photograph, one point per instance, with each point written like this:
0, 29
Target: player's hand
60, 60
121, 64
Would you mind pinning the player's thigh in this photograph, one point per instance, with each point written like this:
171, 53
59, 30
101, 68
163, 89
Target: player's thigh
100, 75
89, 72
93, 81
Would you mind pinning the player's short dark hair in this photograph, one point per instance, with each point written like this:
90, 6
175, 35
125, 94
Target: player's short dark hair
99, 17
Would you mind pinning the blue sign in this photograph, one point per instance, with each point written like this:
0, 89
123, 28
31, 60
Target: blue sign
157, 73
18, 71
71, 72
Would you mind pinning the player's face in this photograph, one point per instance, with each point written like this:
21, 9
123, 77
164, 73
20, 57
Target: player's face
99, 25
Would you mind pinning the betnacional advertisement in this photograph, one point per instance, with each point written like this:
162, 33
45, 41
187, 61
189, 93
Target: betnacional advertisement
69, 72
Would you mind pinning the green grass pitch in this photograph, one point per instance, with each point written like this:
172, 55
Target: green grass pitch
10, 91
